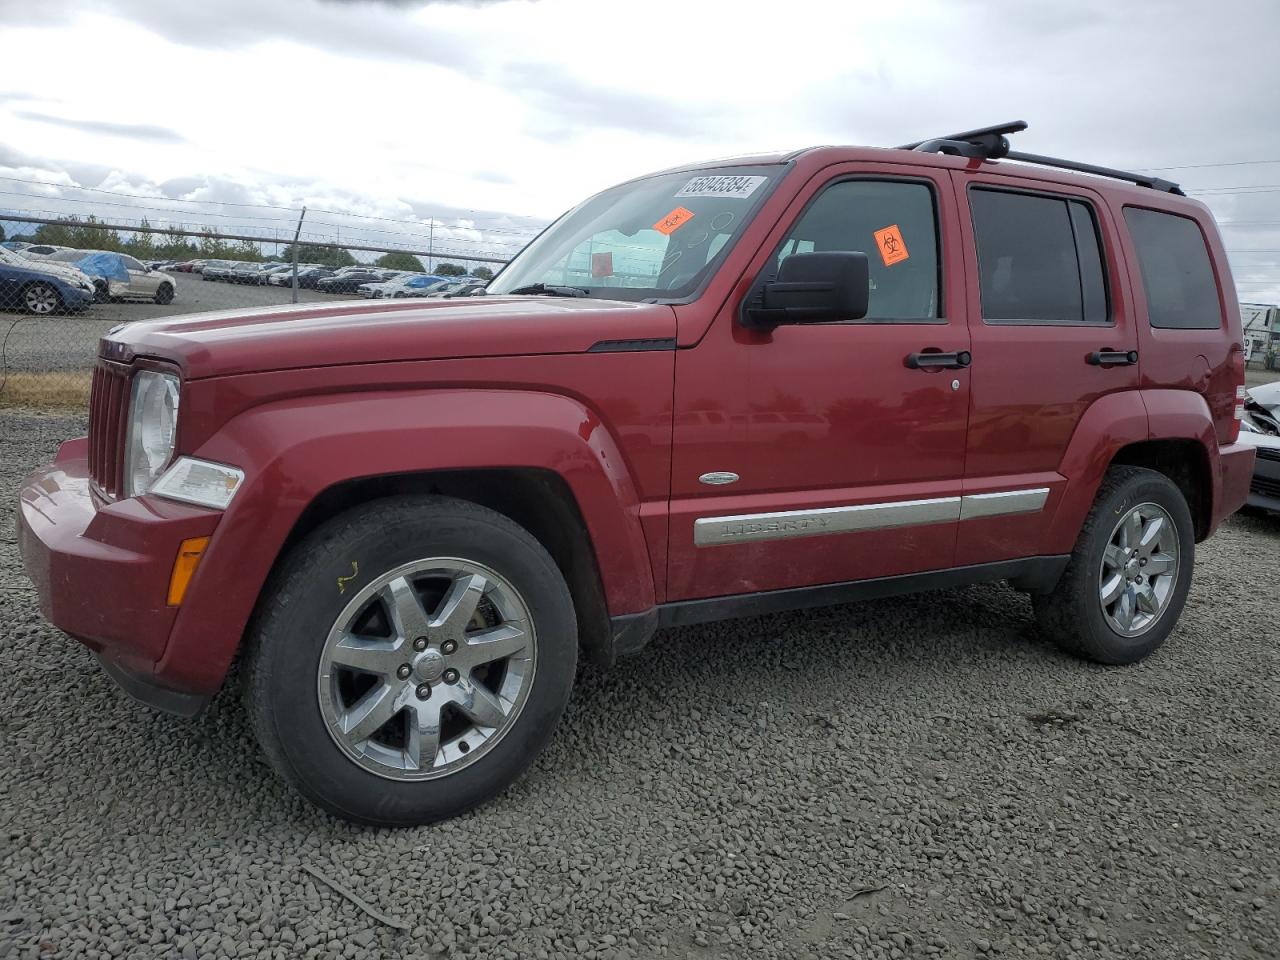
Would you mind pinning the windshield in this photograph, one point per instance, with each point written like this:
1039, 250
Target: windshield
651, 238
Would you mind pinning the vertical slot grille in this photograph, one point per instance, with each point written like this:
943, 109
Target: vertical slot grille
108, 409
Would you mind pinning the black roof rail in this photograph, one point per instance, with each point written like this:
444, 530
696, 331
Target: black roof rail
991, 143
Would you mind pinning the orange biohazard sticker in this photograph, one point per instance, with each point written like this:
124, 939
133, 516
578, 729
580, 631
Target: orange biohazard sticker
893, 249
673, 221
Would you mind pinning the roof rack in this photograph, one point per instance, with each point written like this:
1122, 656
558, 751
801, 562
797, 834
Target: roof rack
992, 143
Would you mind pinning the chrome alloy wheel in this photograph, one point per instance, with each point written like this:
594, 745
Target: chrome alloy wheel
41, 299
426, 668
1139, 570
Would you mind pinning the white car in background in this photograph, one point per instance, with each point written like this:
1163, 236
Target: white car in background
402, 286
143, 283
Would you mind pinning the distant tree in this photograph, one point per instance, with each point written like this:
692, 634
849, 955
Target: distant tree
326, 254
1, 234
399, 261
141, 245
81, 234
449, 270
483, 273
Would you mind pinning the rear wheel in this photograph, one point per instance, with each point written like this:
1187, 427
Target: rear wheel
165, 293
1128, 577
412, 658
41, 298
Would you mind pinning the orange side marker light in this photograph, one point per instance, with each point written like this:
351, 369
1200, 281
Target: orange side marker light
184, 568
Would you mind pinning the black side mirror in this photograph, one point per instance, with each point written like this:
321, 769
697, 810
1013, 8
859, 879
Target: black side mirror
812, 288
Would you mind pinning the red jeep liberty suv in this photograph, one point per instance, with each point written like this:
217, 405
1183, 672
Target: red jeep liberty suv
765, 383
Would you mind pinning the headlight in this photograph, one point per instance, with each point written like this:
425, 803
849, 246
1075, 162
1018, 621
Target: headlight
153, 428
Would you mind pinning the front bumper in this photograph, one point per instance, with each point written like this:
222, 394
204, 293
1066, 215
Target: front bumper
1264, 488
101, 569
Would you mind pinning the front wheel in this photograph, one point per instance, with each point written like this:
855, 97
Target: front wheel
164, 294
1128, 577
41, 299
411, 658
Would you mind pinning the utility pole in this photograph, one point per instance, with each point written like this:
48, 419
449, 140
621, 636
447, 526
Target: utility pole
296, 234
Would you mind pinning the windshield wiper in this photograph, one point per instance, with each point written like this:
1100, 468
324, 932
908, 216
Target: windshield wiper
552, 290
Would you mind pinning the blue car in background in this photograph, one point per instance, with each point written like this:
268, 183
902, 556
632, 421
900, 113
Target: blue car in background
35, 291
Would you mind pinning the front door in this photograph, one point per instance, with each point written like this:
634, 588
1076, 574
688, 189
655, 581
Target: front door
814, 454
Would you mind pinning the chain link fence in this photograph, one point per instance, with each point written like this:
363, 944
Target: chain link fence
72, 271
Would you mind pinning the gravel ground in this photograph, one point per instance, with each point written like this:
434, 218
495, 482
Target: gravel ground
907, 778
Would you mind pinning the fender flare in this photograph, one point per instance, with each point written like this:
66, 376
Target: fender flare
293, 450
1113, 422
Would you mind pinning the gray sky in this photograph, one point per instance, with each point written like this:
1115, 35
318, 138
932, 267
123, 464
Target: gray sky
494, 116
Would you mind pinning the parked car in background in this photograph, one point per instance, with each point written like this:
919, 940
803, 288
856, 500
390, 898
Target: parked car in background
1260, 429
350, 281
43, 249
254, 273
17, 246
463, 288
308, 278
127, 278
217, 269
27, 285
410, 285
68, 272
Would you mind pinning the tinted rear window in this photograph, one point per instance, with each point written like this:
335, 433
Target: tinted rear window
1039, 259
1176, 273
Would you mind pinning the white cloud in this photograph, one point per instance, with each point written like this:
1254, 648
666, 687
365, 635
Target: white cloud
403, 109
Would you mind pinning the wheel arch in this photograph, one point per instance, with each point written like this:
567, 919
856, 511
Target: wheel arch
545, 460
1186, 463
1170, 431
539, 500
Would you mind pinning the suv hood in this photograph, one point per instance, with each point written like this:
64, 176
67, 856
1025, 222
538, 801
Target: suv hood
332, 334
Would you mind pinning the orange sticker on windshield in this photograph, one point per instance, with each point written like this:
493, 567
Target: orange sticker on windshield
673, 221
893, 249
602, 264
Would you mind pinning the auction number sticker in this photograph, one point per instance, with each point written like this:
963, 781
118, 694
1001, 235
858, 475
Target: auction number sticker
739, 188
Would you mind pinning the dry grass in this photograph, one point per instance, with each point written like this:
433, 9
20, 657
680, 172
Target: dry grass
53, 390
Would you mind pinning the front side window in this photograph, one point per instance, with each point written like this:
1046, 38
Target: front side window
895, 224
1176, 274
656, 238
1039, 258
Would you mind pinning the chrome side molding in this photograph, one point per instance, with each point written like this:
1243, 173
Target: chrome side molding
786, 524
710, 531
1001, 504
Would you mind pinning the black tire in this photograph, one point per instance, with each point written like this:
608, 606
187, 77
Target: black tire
301, 605
164, 293
1072, 615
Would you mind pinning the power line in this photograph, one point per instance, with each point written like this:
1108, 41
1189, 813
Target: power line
1205, 166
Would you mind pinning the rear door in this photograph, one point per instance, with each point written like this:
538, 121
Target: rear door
1190, 330
141, 281
813, 454
1046, 304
